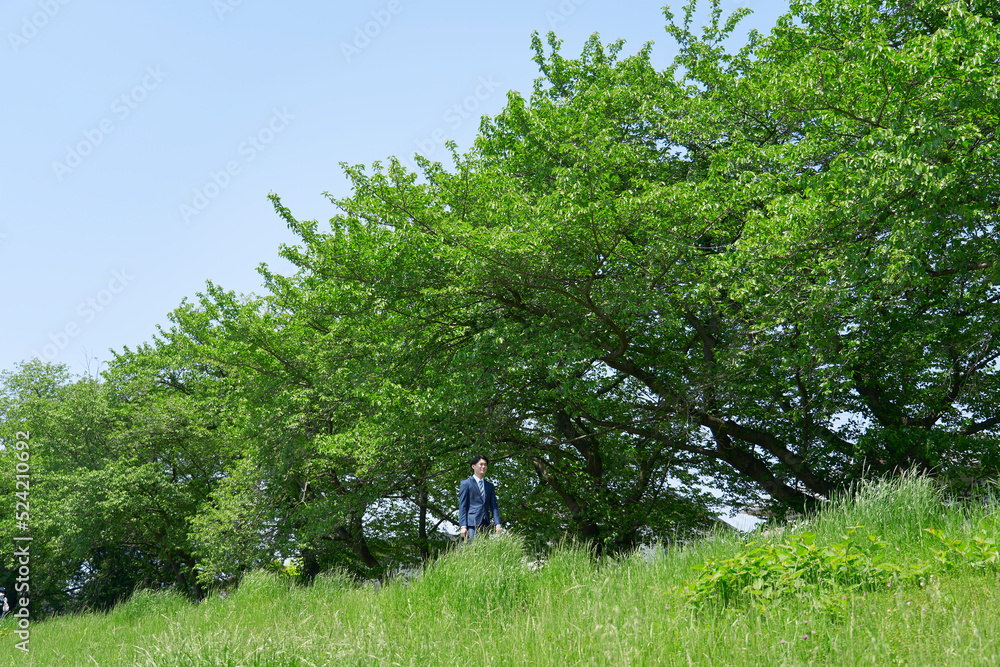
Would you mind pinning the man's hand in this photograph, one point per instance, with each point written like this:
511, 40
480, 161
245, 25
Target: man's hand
463, 531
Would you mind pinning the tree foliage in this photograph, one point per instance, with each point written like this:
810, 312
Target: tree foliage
773, 271
118, 466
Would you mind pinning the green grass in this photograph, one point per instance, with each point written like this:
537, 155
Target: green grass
486, 605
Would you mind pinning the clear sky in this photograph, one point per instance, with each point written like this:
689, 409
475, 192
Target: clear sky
140, 140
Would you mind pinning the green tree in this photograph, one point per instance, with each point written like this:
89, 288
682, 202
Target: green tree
326, 477
773, 271
774, 267
119, 466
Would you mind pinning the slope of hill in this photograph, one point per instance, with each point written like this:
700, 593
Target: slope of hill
893, 576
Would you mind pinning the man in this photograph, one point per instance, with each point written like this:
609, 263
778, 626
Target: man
477, 501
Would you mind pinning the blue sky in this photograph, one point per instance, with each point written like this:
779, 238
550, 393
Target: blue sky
140, 140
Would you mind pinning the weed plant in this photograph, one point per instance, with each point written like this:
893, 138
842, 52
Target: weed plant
489, 604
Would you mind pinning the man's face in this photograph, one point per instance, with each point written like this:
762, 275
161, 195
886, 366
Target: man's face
479, 468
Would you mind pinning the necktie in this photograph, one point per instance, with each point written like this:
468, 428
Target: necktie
482, 491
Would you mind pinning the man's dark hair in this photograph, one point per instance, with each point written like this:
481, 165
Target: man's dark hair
476, 459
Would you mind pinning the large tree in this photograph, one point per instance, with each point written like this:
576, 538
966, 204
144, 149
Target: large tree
773, 271
119, 465
775, 267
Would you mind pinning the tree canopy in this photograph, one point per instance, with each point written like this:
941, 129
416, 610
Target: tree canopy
771, 271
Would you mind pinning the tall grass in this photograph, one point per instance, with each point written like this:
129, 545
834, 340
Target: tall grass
487, 604
899, 510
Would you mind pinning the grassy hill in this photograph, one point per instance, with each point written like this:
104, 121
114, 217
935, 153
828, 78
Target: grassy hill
894, 576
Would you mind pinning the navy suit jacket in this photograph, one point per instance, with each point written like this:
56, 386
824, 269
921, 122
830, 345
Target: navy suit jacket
475, 510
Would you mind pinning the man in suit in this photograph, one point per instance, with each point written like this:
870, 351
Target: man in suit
477, 501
